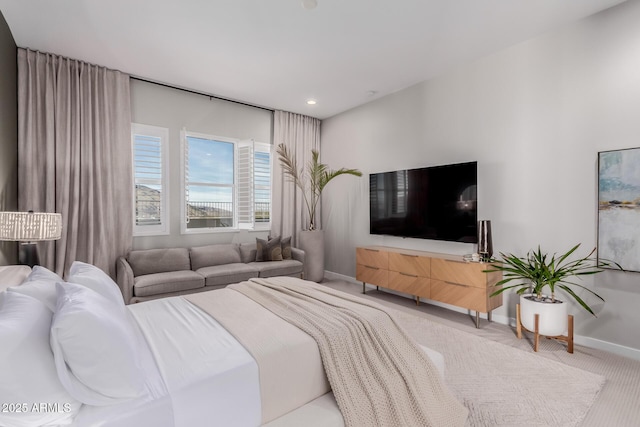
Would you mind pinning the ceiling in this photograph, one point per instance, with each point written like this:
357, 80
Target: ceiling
276, 53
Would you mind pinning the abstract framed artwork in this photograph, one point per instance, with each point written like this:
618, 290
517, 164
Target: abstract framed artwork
619, 207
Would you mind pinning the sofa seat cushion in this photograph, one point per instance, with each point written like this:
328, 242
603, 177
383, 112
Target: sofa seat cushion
228, 273
287, 267
170, 281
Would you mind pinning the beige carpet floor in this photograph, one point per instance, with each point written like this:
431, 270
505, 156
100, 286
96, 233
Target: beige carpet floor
616, 404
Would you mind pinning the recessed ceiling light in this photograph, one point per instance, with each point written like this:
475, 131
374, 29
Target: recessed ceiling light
309, 4
311, 102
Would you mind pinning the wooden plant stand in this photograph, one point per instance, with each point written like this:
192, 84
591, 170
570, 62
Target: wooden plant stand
536, 337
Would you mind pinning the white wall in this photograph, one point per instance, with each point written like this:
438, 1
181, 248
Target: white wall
174, 109
534, 116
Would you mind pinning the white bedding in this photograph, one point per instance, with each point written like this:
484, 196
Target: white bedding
155, 409
209, 378
200, 375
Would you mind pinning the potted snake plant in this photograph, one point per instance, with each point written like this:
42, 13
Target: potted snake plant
538, 272
311, 183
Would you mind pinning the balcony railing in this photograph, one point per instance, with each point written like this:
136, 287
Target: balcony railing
149, 212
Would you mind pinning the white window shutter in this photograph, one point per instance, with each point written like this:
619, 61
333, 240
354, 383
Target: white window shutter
245, 184
150, 179
262, 185
185, 175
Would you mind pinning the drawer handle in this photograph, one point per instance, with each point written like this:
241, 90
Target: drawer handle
373, 268
456, 284
371, 250
410, 256
406, 274
455, 260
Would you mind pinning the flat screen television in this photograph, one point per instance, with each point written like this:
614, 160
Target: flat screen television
438, 203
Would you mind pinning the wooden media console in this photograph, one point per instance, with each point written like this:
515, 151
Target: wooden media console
437, 277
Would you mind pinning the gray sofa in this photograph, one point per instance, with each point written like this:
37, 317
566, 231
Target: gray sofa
156, 273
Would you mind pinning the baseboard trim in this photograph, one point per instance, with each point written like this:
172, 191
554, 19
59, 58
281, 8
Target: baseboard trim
595, 343
614, 348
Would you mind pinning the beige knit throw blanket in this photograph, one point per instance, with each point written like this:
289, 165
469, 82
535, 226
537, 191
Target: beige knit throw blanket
378, 375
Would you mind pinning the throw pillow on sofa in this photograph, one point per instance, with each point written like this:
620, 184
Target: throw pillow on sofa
268, 250
286, 248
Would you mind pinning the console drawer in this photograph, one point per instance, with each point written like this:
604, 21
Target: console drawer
372, 275
410, 264
463, 273
409, 283
372, 258
464, 296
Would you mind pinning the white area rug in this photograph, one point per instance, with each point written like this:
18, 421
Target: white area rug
504, 386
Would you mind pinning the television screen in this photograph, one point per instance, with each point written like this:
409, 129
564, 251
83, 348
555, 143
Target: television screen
438, 203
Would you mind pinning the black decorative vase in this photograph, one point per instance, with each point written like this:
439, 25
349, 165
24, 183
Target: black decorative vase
485, 243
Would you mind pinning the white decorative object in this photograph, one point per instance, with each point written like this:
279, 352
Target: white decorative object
552, 316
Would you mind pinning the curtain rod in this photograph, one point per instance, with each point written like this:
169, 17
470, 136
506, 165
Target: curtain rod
199, 93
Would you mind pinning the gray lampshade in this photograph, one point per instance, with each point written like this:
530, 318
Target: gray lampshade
30, 226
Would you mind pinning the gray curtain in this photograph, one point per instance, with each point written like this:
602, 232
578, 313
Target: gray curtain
300, 134
74, 157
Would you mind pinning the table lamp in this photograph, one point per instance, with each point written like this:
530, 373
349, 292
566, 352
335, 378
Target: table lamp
29, 228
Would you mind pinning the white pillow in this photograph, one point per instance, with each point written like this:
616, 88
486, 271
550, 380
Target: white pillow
96, 279
42, 290
41, 285
39, 273
94, 347
28, 375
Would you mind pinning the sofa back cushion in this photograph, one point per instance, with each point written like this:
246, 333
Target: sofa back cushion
207, 256
151, 261
248, 252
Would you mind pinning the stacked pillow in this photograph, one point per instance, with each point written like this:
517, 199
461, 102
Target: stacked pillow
28, 375
85, 345
40, 284
273, 249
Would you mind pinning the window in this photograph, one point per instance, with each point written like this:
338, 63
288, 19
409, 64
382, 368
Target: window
150, 166
227, 183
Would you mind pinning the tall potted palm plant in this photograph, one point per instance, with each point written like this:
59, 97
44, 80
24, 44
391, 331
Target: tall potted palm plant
311, 183
531, 275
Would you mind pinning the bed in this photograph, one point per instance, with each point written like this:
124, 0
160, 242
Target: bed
208, 359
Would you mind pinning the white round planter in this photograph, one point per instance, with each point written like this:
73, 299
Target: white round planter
553, 316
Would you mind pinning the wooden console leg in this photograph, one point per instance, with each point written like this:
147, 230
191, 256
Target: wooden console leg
363, 287
570, 335
477, 320
417, 300
536, 338
518, 322
489, 315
